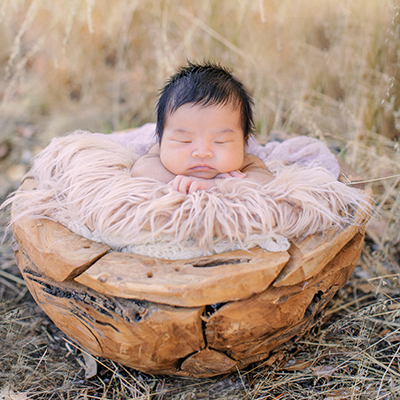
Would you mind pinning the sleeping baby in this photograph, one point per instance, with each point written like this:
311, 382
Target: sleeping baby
203, 142
204, 120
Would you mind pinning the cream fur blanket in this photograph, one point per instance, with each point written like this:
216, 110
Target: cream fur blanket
84, 183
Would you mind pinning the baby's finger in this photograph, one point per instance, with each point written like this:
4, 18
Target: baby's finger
176, 182
223, 175
194, 186
184, 184
237, 174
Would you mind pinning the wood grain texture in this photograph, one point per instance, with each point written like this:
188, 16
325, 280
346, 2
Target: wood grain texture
200, 317
207, 363
188, 283
146, 336
56, 251
196, 342
259, 324
311, 255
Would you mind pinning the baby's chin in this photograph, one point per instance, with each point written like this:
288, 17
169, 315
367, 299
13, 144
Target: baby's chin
202, 174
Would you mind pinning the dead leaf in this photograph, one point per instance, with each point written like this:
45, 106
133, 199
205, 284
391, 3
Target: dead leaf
6, 393
4, 150
365, 287
275, 357
297, 365
389, 336
26, 131
323, 371
340, 394
90, 366
362, 273
392, 307
16, 172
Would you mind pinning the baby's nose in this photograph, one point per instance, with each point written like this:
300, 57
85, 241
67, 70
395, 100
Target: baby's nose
203, 151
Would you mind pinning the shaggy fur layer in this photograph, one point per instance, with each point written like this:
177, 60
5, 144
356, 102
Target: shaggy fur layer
84, 183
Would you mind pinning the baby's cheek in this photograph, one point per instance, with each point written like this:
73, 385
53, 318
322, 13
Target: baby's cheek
169, 160
236, 161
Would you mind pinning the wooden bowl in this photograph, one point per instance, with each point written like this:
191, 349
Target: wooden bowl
199, 317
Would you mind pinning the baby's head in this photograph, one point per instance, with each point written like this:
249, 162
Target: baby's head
204, 85
204, 119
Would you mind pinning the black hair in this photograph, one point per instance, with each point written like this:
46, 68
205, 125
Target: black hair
204, 84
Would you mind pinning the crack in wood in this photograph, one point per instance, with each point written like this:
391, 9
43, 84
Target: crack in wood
93, 334
211, 309
104, 306
216, 263
82, 315
29, 271
315, 304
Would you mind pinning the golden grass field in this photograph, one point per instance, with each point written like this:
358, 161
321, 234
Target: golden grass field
325, 68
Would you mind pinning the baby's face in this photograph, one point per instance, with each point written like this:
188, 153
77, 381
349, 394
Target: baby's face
202, 141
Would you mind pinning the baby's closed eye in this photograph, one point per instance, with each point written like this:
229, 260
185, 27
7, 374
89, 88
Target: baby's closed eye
223, 141
182, 141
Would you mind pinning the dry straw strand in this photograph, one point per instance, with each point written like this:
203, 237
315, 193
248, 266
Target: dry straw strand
214, 34
29, 17
89, 10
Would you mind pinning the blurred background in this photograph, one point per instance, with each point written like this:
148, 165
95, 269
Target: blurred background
324, 68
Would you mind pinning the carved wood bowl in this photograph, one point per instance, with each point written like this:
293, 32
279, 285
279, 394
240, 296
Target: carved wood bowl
199, 317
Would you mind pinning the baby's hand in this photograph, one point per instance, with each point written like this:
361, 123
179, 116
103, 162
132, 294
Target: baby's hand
232, 174
190, 184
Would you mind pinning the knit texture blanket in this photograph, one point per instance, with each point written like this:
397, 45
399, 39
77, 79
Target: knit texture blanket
83, 182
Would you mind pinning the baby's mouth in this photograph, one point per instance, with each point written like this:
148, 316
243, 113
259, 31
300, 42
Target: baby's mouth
201, 167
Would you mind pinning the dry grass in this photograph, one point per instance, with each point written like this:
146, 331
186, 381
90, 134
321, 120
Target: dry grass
329, 69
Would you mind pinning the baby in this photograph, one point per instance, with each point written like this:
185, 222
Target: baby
204, 119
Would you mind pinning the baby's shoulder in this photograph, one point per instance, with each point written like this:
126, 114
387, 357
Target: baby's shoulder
251, 161
155, 150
